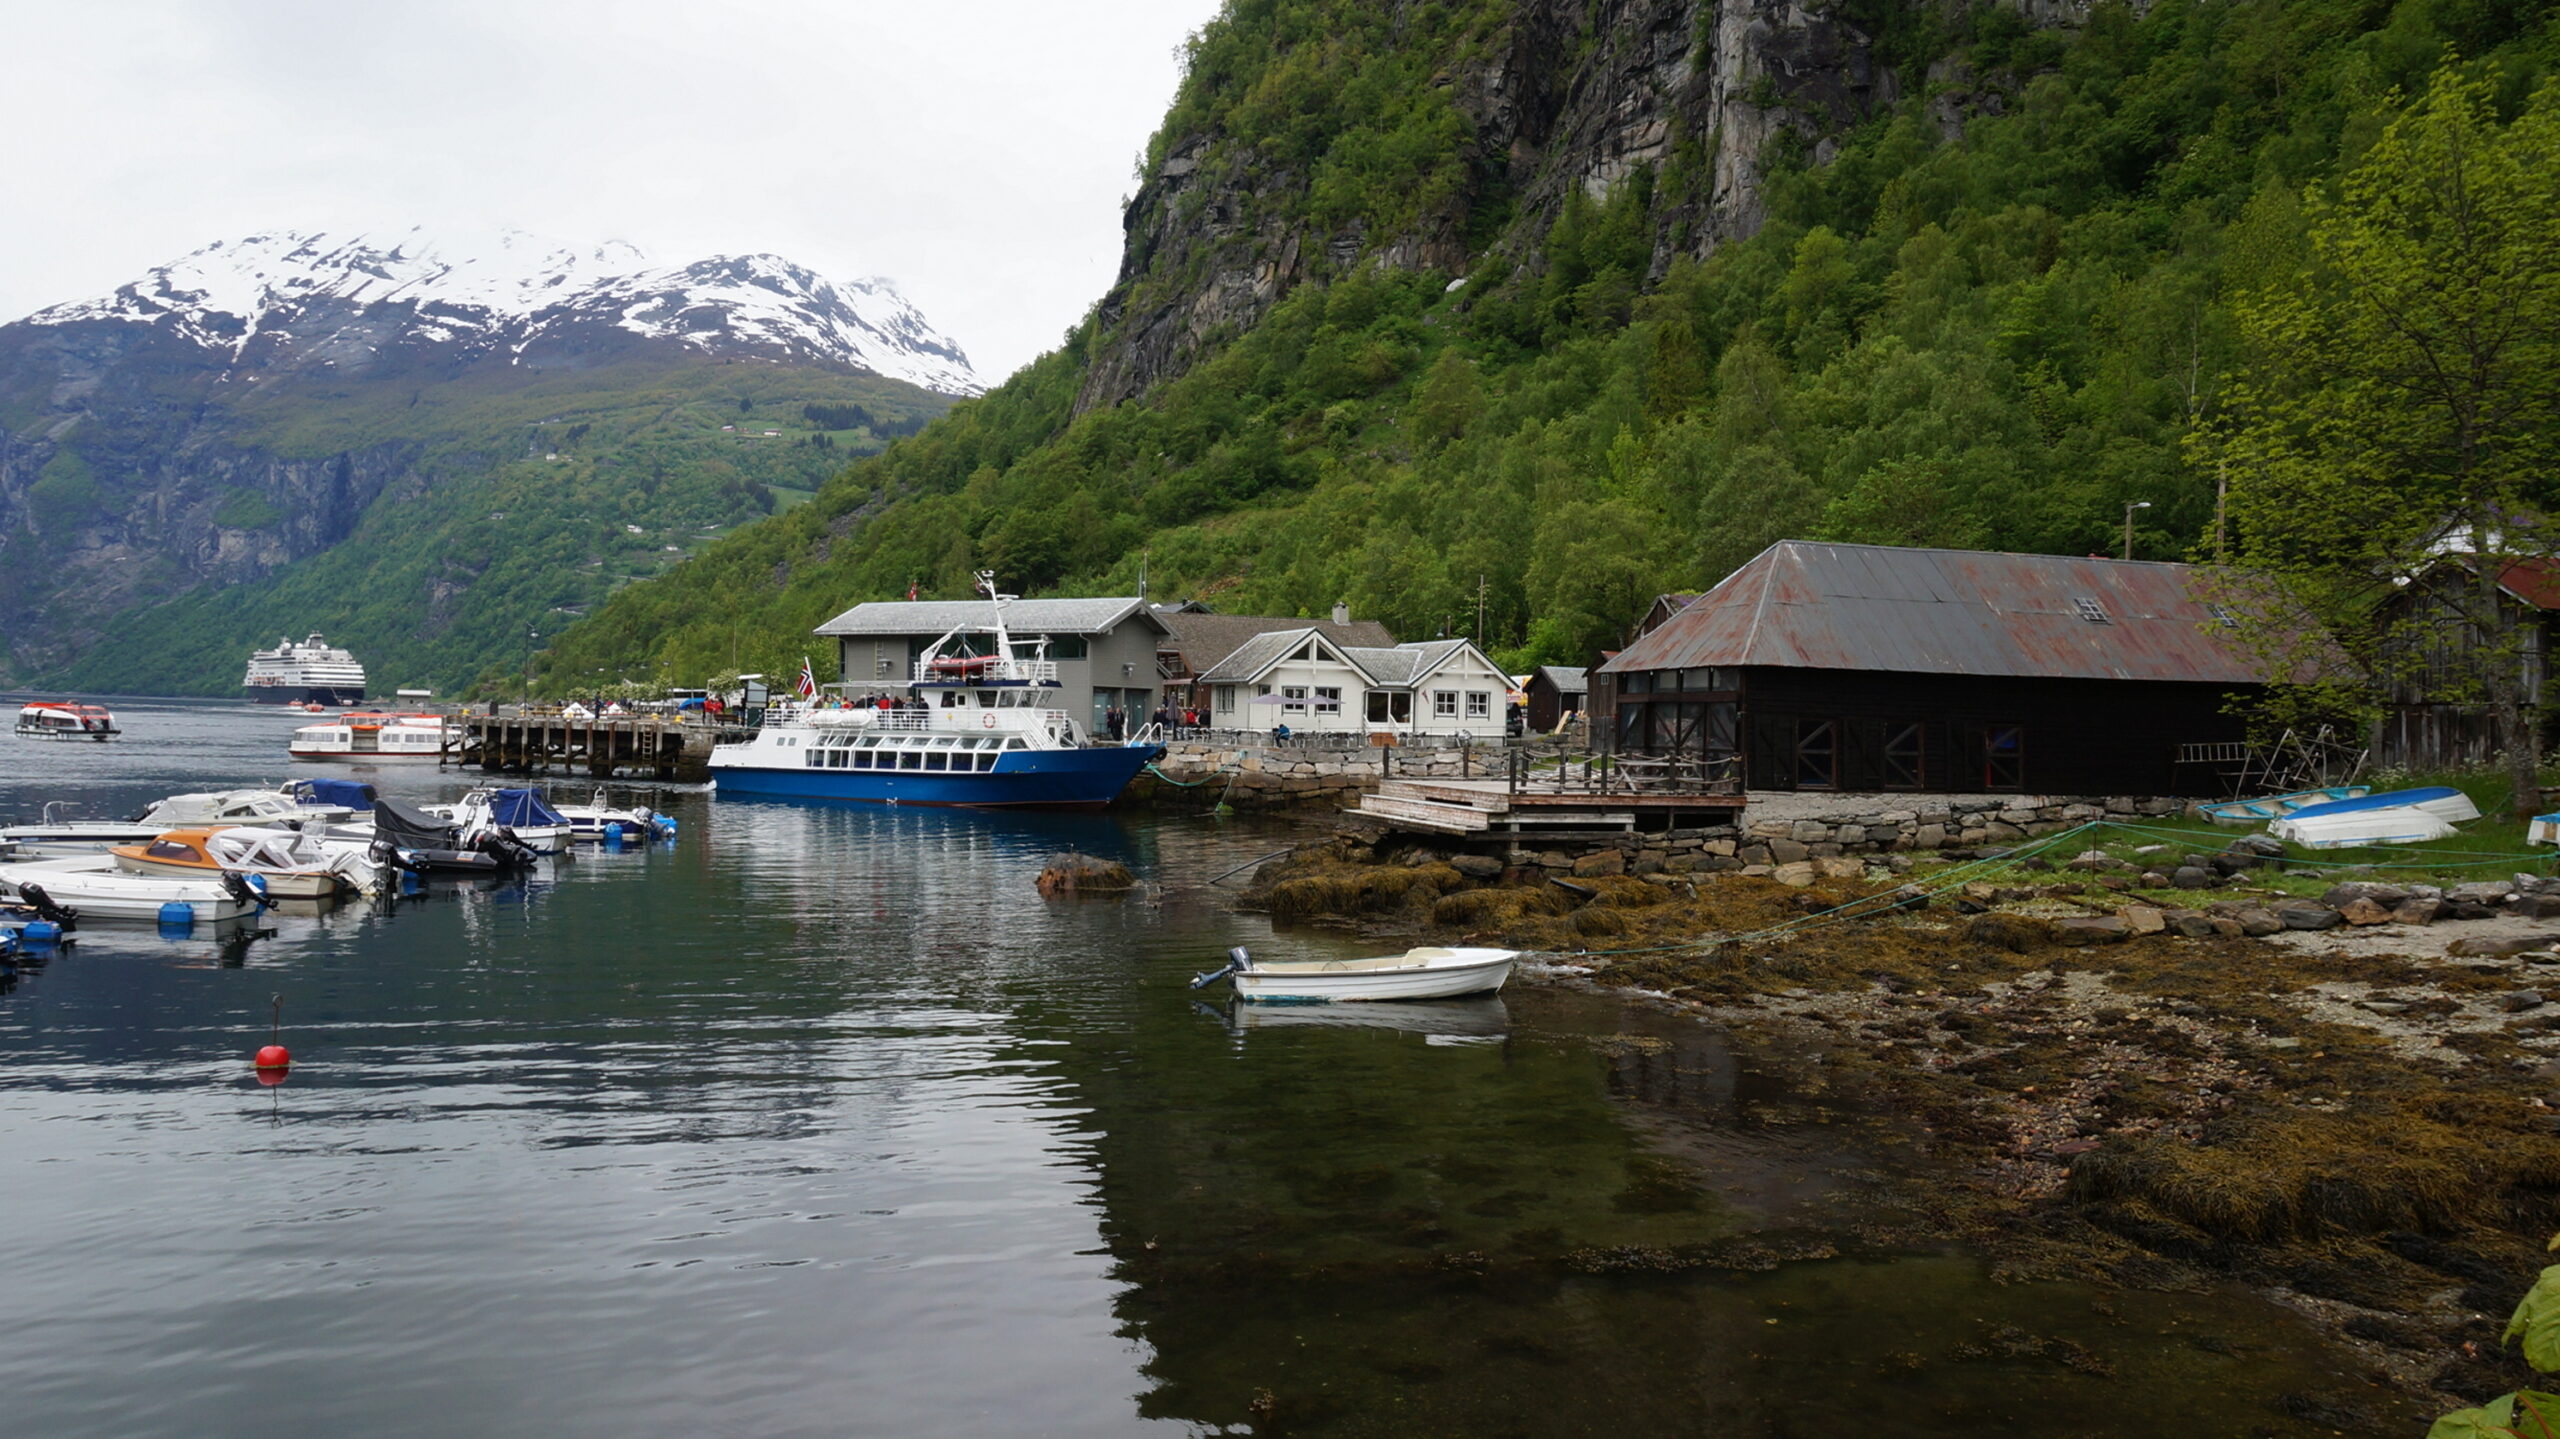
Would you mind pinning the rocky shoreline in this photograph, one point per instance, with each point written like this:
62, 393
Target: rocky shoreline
2158, 1067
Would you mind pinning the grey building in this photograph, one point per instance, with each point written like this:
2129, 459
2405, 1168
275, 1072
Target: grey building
1105, 648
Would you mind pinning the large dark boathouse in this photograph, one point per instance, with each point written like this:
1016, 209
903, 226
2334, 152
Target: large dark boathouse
1866, 668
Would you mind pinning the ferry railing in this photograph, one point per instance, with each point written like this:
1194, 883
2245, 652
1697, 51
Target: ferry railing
995, 671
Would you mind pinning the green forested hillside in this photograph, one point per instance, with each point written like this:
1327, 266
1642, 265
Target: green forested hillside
1992, 317
526, 502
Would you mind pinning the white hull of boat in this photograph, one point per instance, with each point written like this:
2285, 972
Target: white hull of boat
2404, 824
1429, 973
98, 890
281, 884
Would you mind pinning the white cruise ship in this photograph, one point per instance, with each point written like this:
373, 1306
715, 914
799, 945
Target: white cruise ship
310, 672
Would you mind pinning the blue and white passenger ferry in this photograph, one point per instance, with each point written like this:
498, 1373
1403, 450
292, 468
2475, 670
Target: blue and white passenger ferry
981, 730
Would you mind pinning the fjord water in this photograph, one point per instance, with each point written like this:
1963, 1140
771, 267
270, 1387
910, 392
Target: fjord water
820, 1121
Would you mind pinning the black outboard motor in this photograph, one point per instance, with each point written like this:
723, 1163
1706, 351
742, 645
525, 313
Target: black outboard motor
42, 903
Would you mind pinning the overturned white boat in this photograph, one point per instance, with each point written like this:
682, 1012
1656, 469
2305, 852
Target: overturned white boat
2407, 816
1430, 972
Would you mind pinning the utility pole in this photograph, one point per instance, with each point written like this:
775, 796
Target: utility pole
2129, 507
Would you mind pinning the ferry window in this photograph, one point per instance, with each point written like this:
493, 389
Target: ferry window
1479, 704
862, 759
1444, 704
1293, 699
812, 759
1328, 699
909, 759
986, 759
835, 759
936, 760
950, 698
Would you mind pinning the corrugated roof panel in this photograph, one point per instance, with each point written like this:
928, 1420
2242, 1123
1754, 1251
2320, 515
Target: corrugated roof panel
1804, 605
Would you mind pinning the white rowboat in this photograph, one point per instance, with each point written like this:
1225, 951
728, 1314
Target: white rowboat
96, 889
1425, 973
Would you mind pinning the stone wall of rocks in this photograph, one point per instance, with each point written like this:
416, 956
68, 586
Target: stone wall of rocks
1964, 823
1268, 776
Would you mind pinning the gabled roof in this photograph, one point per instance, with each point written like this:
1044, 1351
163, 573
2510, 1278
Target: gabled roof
1203, 640
1803, 605
1405, 664
1027, 618
1567, 679
1383, 666
1255, 657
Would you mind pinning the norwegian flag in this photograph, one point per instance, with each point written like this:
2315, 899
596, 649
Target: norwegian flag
808, 679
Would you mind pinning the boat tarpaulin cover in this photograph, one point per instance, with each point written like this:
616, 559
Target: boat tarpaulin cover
353, 794
523, 809
407, 828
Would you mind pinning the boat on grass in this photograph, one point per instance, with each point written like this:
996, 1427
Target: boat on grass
61, 719
2400, 816
2275, 806
1429, 972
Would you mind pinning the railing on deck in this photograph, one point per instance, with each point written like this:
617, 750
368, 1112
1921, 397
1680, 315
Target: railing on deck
1589, 773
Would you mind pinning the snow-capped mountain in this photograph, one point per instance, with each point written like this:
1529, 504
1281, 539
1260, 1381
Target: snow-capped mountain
288, 300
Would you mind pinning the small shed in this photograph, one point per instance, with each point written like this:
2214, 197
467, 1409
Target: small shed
2436, 717
1867, 667
1553, 692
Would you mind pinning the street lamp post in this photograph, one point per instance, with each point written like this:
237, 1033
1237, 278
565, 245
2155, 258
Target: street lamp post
2129, 507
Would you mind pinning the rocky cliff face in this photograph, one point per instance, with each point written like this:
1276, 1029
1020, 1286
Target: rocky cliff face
1572, 95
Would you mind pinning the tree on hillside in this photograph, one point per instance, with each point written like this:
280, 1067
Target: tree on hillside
2400, 398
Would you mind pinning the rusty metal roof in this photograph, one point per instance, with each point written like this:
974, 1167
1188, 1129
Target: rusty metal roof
1803, 605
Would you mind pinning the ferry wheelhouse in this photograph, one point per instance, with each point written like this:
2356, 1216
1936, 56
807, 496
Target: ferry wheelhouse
372, 735
972, 728
60, 719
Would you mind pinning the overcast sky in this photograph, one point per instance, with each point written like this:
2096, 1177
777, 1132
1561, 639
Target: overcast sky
975, 152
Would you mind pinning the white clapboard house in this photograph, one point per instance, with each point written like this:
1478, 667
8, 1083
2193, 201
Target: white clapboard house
1302, 679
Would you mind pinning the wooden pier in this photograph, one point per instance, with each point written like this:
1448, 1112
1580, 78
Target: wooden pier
626, 746
1584, 797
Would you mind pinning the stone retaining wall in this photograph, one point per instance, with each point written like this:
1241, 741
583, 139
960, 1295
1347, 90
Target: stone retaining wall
1265, 777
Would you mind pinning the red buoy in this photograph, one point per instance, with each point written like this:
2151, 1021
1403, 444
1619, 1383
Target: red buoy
275, 1056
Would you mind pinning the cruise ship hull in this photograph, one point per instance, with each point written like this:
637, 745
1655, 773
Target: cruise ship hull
283, 694
1037, 779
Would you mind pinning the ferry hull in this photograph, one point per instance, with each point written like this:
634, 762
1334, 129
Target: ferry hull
335, 696
1038, 779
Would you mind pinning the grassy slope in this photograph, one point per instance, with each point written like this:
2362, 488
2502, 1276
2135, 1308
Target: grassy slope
1999, 341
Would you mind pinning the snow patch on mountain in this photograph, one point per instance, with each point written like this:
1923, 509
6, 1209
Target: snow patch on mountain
510, 290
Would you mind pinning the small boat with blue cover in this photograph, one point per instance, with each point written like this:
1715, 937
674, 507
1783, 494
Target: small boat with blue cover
2265, 807
980, 730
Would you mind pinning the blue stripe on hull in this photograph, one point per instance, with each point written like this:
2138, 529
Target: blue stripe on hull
1038, 779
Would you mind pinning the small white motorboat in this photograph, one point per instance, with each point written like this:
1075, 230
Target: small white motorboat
373, 735
58, 834
61, 719
2274, 806
288, 864
1430, 972
590, 822
93, 888
518, 814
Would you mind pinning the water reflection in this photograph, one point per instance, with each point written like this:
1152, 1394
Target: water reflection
1471, 1019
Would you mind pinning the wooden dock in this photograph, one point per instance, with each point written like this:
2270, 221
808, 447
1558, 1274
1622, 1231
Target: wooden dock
1588, 796
625, 746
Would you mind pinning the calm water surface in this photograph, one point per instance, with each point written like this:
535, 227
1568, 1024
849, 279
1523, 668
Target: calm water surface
822, 1122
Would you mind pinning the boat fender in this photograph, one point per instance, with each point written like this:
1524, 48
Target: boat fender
1237, 959
40, 931
613, 832
177, 914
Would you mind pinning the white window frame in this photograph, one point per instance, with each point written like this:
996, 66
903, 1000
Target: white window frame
1444, 704
1293, 699
1479, 704
1226, 696
1328, 699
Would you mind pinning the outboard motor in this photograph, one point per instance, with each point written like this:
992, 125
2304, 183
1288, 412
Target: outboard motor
42, 903
1237, 959
252, 895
